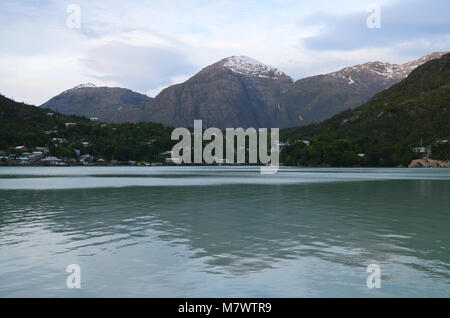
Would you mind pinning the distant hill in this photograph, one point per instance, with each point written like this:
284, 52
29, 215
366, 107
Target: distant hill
109, 104
384, 130
239, 92
31, 126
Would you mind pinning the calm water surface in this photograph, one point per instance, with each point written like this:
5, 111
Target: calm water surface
224, 231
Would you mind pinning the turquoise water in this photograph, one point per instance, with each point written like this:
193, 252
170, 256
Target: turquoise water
224, 231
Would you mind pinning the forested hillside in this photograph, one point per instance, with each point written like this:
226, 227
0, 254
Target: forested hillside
383, 131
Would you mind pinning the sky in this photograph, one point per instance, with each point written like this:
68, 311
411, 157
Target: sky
50, 46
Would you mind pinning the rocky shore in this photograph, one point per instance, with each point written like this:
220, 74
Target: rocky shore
428, 163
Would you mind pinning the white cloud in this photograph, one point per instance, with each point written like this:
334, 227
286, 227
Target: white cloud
148, 45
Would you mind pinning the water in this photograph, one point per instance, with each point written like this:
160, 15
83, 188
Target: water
225, 232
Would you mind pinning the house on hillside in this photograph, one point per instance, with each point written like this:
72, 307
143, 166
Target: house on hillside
166, 154
306, 142
21, 148
419, 150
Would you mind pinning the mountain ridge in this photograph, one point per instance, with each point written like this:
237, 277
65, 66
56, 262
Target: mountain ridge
239, 91
385, 130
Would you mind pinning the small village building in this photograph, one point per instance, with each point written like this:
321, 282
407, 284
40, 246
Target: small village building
51, 161
419, 149
43, 149
21, 148
166, 154
306, 142
86, 158
23, 161
36, 155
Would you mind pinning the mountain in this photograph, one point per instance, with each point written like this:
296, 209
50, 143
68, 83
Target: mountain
383, 131
109, 104
316, 98
239, 92
234, 92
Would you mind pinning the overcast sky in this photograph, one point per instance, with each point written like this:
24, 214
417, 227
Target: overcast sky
149, 45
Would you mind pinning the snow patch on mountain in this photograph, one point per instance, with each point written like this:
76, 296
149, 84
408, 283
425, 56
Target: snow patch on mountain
247, 66
81, 86
387, 71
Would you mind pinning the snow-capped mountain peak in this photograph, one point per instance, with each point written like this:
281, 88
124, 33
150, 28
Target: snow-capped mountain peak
410, 66
84, 85
247, 66
381, 70
81, 86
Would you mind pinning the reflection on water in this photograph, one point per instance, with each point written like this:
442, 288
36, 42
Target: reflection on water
302, 232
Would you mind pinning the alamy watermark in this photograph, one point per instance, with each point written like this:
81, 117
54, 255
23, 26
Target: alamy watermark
74, 279
373, 21
74, 18
257, 149
374, 278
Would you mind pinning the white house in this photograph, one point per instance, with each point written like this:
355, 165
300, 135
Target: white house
166, 154
419, 149
306, 142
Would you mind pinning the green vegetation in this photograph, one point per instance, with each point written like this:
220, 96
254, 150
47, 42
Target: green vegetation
382, 132
385, 129
22, 124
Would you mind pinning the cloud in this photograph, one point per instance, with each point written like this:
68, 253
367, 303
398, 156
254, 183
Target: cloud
137, 67
148, 45
402, 22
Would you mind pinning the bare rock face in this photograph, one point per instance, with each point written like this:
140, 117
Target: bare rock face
234, 92
428, 163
